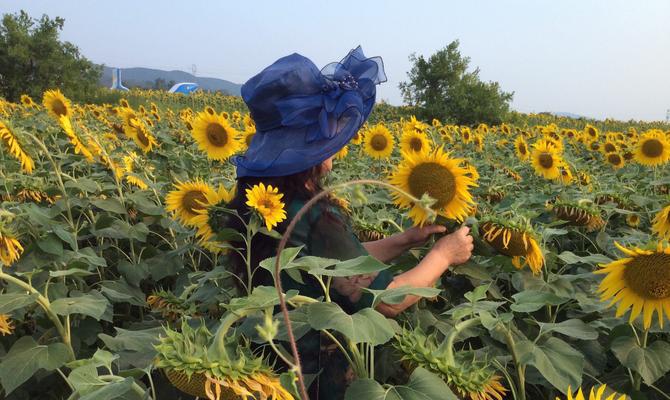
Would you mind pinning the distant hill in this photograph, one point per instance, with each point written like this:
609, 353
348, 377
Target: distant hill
156, 78
569, 115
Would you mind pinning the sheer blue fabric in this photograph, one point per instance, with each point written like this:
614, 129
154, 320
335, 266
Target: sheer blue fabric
305, 115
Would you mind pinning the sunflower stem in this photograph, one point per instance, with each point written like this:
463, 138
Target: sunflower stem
520, 368
637, 378
46, 306
460, 327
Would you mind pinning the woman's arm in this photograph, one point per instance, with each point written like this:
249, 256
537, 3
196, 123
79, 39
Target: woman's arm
391, 247
452, 249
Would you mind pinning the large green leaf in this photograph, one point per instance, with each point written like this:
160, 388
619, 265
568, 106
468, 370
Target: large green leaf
92, 304
557, 361
422, 385
134, 348
651, 362
367, 325
397, 295
574, 328
356, 266
533, 300
26, 357
13, 301
111, 204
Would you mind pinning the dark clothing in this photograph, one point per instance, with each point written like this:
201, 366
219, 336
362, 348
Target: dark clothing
325, 232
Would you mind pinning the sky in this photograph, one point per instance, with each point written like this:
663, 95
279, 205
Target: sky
597, 58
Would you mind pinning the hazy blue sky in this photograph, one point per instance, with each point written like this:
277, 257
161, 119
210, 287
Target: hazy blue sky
608, 58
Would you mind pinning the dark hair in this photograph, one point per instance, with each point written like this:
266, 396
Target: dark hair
302, 186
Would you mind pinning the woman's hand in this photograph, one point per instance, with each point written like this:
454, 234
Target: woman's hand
456, 248
417, 236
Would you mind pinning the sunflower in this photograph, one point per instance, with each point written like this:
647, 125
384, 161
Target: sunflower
215, 136
212, 219
515, 240
413, 125
466, 135
546, 161
188, 199
413, 141
342, 153
593, 395
56, 104
478, 140
590, 133
437, 175
615, 160
640, 282
215, 374
358, 137
144, 139
15, 149
10, 248
521, 148
79, 147
471, 379
378, 142
267, 202
610, 147
652, 149
581, 213
633, 220
131, 178
661, 223
6, 326
566, 175
247, 136
27, 101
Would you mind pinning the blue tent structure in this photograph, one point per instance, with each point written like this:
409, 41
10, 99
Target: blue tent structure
184, 87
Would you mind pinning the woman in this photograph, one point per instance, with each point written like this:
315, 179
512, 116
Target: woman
303, 117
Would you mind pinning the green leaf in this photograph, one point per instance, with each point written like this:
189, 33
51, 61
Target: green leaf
26, 357
88, 304
575, 328
134, 348
356, 266
557, 361
651, 362
51, 244
134, 273
365, 326
533, 300
569, 257
70, 272
84, 185
120, 292
261, 298
479, 293
112, 390
111, 204
65, 236
422, 385
397, 295
285, 260
13, 301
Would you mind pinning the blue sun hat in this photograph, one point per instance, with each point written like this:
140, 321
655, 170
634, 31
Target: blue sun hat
304, 115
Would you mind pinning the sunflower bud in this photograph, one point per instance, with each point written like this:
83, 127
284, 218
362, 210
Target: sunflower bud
268, 331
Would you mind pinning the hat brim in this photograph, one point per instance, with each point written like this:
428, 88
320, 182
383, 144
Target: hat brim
286, 151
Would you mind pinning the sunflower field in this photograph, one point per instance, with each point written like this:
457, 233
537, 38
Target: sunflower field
115, 280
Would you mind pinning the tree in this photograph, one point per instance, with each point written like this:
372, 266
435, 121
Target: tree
33, 59
442, 87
